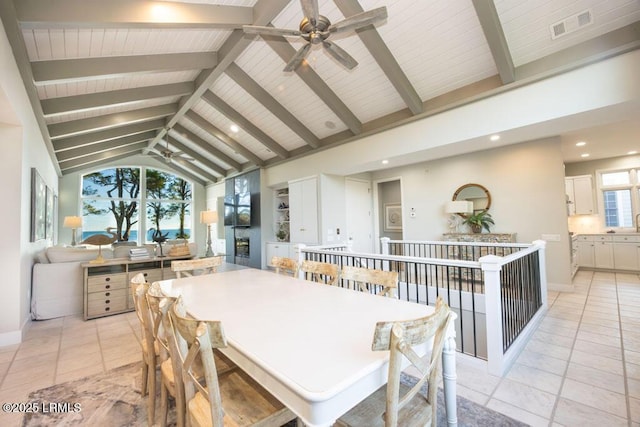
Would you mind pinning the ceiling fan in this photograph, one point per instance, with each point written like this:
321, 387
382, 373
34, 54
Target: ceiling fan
316, 29
167, 155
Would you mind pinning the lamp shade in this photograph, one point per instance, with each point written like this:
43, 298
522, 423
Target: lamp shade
208, 217
72, 222
459, 206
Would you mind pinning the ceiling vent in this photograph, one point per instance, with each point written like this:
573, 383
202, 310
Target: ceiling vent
571, 24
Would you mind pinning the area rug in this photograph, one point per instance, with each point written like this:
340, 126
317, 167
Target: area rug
113, 399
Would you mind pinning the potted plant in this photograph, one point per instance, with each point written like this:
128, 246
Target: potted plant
479, 220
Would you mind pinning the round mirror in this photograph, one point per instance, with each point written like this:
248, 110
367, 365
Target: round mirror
476, 194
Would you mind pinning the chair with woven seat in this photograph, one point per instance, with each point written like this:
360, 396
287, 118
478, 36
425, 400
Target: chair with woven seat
320, 272
188, 267
285, 266
362, 277
229, 399
150, 350
397, 404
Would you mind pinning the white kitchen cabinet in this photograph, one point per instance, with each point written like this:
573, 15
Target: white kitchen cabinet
586, 256
603, 252
579, 191
279, 249
626, 252
303, 211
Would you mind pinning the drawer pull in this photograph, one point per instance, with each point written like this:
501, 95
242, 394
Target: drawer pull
107, 294
107, 279
108, 287
107, 301
106, 309
146, 274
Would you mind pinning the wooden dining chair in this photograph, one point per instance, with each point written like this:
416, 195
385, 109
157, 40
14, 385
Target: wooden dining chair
188, 267
285, 266
362, 277
398, 404
229, 399
150, 350
320, 272
170, 379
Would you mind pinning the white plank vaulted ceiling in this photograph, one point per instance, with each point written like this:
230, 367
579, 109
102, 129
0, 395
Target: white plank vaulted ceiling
110, 79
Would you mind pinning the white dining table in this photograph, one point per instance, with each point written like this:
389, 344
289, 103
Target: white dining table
309, 344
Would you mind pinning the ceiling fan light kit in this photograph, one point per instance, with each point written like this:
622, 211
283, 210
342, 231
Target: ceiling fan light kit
316, 28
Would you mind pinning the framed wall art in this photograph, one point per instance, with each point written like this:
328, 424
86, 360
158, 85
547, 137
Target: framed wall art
392, 217
49, 214
38, 206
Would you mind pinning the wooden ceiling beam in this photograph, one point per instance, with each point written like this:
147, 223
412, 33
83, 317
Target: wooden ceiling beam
233, 115
208, 127
105, 135
383, 56
206, 146
64, 70
94, 124
270, 103
88, 150
129, 14
91, 101
492, 28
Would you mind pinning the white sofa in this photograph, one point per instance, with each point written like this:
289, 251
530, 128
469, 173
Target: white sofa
57, 281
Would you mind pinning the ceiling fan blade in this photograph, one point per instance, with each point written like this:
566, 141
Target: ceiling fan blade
340, 54
297, 59
270, 31
310, 10
359, 20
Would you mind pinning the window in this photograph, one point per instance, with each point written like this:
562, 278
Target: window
127, 200
618, 189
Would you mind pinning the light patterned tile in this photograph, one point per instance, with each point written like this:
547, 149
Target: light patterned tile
517, 413
596, 397
534, 377
598, 349
526, 397
543, 347
596, 377
552, 338
542, 362
634, 409
571, 413
599, 338
602, 363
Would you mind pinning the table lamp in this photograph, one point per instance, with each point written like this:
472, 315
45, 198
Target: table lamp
72, 222
208, 217
455, 207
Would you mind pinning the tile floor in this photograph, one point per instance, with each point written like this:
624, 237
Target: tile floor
581, 368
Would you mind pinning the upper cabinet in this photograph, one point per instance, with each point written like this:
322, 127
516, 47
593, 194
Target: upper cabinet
303, 210
579, 191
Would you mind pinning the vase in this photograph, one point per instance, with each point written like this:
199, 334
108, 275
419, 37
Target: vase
476, 228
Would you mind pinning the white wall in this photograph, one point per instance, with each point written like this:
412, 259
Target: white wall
23, 148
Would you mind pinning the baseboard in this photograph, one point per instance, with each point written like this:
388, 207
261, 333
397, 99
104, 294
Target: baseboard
15, 337
560, 287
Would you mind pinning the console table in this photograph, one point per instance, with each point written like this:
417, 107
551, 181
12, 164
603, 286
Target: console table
106, 285
480, 237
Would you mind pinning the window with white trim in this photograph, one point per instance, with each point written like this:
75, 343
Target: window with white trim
620, 190
129, 199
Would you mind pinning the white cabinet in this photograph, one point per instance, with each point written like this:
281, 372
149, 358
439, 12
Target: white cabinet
586, 257
607, 251
626, 252
282, 214
579, 191
303, 211
279, 249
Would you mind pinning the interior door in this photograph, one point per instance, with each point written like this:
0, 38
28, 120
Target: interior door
359, 215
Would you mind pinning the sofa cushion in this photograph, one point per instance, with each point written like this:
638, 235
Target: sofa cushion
62, 254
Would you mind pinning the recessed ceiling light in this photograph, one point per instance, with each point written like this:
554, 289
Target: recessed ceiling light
234, 128
385, 162
329, 124
632, 152
581, 144
494, 137
584, 155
